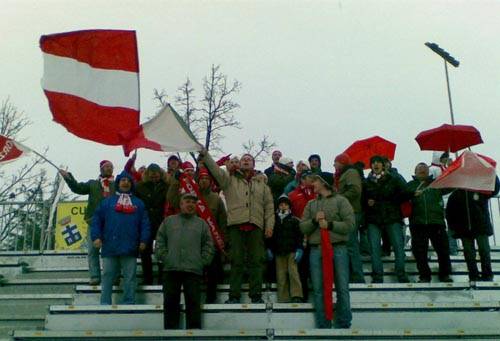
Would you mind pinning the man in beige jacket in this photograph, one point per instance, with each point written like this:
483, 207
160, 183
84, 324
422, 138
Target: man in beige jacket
250, 217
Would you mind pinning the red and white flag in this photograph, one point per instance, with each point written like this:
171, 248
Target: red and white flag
11, 150
165, 132
91, 79
470, 171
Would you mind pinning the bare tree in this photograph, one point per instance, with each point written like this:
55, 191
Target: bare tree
218, 106
185, 100
259, 150
22, 185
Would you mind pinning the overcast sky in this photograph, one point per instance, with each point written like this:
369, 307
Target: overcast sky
316, 75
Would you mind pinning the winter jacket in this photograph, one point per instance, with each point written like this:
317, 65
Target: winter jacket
247, 201
350, 186
286, 235
93, 189
217, 208
277, 181
299, 199
291, 186
153, 195
184, 243
339, 215
120, 233
427, 208
388, 193
467, 213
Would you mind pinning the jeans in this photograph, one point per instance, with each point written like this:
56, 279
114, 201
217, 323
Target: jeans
343, 314
112, 266
357, 275
171, 299
93, 259
420, 236
394, 232
484, 255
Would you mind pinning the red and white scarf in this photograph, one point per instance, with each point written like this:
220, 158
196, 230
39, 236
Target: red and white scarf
124, 204
105, 183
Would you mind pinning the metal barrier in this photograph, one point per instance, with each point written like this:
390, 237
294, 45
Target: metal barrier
24, 225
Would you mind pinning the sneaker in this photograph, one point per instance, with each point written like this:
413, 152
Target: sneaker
257, 300
446, 279
233, 301
486, 278
94, 281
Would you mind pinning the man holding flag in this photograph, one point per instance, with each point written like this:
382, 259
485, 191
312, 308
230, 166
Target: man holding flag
328, 221
97, 190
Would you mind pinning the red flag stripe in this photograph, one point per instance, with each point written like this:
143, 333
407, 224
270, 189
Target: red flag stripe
105, 49
9, 150
84, 118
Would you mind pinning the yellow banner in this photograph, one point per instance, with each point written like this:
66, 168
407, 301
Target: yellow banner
71, 228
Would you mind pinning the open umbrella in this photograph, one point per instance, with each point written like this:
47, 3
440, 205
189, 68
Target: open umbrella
449, 138
471, 171
363, 150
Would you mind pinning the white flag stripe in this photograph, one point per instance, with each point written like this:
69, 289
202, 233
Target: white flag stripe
112, 88
166, 131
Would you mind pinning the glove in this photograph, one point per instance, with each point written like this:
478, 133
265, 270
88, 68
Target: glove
298, 255
269, 255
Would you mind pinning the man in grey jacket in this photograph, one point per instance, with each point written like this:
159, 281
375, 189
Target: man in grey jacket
184, 246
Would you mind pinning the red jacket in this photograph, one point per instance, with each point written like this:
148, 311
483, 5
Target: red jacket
299, 198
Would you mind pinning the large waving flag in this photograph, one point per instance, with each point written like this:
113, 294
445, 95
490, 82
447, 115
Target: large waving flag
10, 150
164, 132
91, 79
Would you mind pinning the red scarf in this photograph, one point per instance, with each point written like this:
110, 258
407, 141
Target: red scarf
328, 273
187, 185
124, 204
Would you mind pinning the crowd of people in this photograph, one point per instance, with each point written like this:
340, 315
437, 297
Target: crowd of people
268, 226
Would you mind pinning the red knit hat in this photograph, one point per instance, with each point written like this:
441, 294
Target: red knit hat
104, 162
343, 159
186, 165
203, 172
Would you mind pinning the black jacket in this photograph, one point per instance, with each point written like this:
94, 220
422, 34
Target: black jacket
467, 213
388, 193
286, 235
154, 196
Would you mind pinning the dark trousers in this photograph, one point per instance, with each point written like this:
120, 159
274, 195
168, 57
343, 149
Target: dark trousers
420, 236
246, 247
172, 296
147, 266
215, 275
484, 255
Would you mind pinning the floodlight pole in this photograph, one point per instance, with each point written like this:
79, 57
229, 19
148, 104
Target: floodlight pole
447, 59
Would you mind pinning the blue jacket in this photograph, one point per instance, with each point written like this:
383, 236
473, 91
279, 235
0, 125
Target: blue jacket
120, 232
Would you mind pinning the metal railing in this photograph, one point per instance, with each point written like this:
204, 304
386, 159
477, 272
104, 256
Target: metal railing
24, 225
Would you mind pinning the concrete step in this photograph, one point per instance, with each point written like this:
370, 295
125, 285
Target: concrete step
261, 334
375, 316
36, 286
29, 304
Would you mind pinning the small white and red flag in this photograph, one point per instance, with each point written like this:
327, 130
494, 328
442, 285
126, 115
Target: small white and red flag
11, 150
471, 171
164, 132
91, 80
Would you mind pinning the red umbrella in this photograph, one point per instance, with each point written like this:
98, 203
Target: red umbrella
363, 150
449, 138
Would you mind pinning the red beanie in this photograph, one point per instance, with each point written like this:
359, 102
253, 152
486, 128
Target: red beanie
186, 165
104, 162
203, 172
343, 159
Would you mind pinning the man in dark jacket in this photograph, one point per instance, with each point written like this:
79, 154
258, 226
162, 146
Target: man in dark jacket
427, 223
120, 227
185, 246
281, 175
97, 190
276, 156
286, 246
468, 217
152, 190
383, 194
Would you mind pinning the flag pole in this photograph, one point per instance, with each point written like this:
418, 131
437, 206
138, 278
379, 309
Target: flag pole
40, 155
